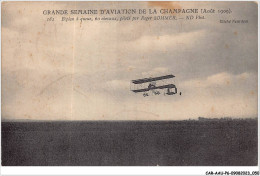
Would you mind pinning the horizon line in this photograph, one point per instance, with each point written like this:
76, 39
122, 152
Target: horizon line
190, 119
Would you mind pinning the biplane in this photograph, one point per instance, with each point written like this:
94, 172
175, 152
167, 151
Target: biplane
154, 85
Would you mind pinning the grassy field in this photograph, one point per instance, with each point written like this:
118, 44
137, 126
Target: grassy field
130, 143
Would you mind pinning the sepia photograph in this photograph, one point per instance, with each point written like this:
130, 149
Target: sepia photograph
141, 83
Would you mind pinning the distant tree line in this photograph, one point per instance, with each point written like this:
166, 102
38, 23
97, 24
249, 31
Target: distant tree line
224, 118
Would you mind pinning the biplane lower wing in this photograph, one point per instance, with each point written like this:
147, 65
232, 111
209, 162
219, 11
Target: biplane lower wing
152, 88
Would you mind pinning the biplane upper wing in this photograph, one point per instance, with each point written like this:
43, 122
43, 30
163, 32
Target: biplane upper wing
158, 87
140, 81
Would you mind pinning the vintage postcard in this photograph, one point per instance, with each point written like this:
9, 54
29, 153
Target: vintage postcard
129, 83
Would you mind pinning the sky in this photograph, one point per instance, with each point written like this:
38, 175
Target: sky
57, 70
